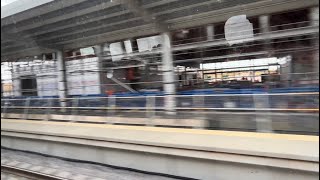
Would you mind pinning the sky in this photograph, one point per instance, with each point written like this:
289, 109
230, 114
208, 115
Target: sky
5, 2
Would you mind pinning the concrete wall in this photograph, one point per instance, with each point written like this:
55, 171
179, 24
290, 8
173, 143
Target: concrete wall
197, 154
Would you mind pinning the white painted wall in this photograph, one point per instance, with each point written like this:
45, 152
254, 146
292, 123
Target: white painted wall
47, 83
83, 76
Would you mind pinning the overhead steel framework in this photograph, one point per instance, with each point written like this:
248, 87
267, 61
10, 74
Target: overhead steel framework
72, 24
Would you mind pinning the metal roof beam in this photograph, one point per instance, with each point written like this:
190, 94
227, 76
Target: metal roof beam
260, 37
38, 11
18, 39
252, 9
45, 29
135, 31
136, 7
86, 25
43, 21
62, 39
82, 13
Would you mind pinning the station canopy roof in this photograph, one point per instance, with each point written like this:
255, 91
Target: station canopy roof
30, 27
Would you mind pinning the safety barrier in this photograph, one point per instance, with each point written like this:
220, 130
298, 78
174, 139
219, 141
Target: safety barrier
285, 112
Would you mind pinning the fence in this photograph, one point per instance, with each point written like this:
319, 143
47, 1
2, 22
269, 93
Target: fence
287, 112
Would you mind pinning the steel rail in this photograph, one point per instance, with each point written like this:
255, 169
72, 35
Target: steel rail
28, 173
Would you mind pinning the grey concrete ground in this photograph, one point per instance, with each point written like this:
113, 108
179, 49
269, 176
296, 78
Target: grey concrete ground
67, 169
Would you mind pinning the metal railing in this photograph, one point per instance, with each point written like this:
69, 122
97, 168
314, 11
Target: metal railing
289, 80
253, 112
243, 102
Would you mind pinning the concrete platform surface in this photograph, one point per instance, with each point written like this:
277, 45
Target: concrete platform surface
295, 147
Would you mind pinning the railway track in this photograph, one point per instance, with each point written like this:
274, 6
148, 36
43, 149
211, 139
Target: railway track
27, 174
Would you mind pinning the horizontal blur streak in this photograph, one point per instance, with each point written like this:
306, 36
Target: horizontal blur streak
294, 113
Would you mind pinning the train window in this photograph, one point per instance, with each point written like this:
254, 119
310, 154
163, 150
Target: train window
29, 86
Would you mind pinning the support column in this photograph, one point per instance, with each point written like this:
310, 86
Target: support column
44, 58
128, 46
168, 75
54, 56
264, 24
314, 18
2, 87
2, 84
264, 122
62, 79
99, 53
210, 32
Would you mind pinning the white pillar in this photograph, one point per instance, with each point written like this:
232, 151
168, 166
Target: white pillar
54, 56
264, 25
62, 78
2, 87
128, 46
210, 32
168, 74
314, 18
2, 84
99, 53
44, 58
264, 122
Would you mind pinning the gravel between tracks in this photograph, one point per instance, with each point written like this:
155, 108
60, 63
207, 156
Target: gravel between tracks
68, 169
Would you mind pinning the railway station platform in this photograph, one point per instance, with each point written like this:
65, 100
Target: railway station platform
187, 153
161, 86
